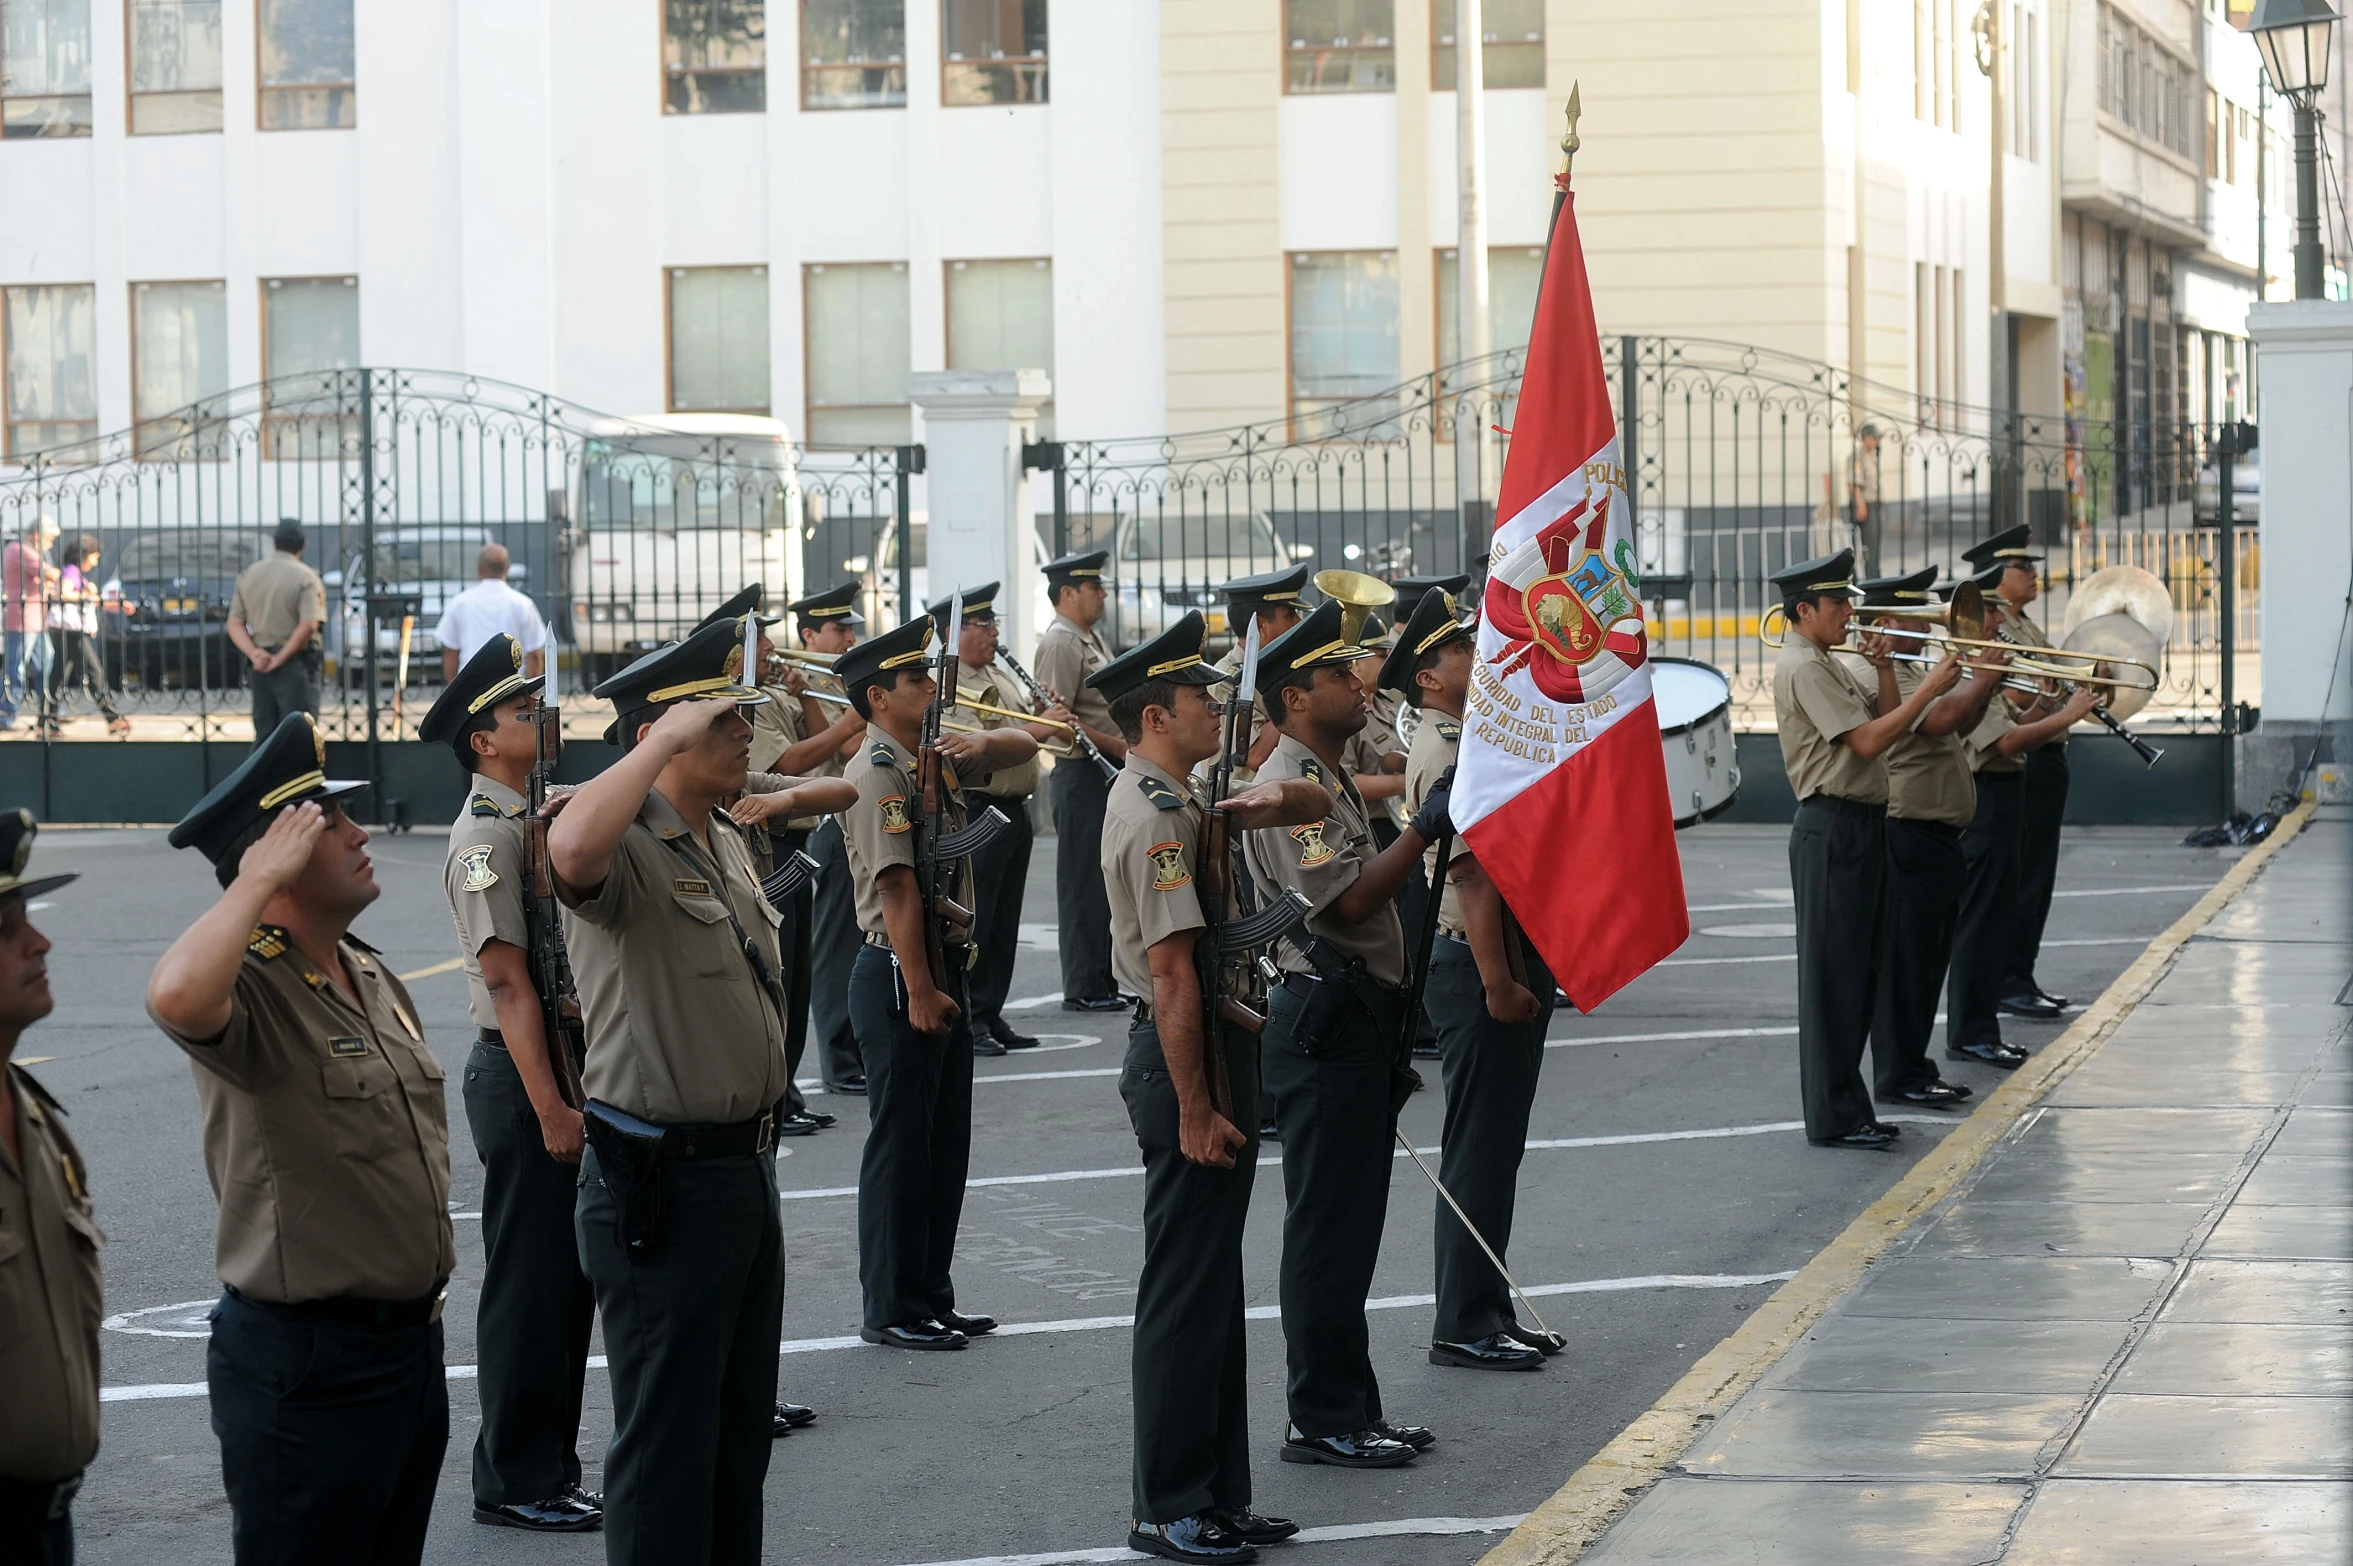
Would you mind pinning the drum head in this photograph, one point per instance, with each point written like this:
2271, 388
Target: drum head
1686, 692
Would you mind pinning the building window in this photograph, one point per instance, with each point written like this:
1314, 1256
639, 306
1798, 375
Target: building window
714, 56
44, 68
853, 54
719, 339
175, 51
1513, 275
309, 66
179, 357
1339, 45
993, 51
309, 331
857, 354
1343, 338
1513, 55
1001, 317
2145, 86
49, 395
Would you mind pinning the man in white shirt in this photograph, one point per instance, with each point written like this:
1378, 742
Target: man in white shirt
490, 608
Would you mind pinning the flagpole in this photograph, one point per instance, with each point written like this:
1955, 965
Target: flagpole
1474, 337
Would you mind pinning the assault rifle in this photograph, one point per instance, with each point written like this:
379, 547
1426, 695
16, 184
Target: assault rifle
1039, 693
551, 969
936, 848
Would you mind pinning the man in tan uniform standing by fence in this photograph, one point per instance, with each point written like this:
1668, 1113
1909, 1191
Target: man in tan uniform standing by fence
274, 619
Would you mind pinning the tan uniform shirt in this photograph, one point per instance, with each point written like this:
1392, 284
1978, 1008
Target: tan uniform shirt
1435, 745
680, 1031
1151, 849
777, 725
1815, 700
2022, 628
275, 595
1321, 860
1927, 775
326, 1132
49, 1296
999, 689
879, 830
1981, 742
1067, 654
485, 879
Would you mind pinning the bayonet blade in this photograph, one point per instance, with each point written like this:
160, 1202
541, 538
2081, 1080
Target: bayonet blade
1246, 687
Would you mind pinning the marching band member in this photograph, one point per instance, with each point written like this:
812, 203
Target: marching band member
1069, 650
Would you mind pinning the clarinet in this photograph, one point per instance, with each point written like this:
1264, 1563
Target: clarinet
1038, 693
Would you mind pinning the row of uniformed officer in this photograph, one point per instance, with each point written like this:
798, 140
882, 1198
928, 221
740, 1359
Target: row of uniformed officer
1192, 1462
1069, 650
49, 1239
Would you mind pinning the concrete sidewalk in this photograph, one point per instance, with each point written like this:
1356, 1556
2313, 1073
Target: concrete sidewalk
2125, 1336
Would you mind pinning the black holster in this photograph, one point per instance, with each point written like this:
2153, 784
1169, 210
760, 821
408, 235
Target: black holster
629, 1155
1335, 987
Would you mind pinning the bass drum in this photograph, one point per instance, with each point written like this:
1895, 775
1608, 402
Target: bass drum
1695, 723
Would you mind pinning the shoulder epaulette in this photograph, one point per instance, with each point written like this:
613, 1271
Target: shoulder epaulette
1159, 793
881, 755
1448, 729
266, 941
1309, 767
483, 805
32, 1085
362, 945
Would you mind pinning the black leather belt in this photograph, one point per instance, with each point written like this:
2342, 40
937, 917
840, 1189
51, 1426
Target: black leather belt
698, 1140
1299, 985
346, 1311
1843, 806
42, 1500
491, 1037
1983, 778
1143, 1010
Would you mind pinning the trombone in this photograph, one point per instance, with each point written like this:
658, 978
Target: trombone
1961, 623
974, 705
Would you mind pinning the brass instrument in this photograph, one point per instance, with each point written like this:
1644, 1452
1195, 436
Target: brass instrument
1357, 594
969, 728
1960, 623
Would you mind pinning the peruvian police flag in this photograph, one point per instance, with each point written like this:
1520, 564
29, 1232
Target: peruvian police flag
1561, 788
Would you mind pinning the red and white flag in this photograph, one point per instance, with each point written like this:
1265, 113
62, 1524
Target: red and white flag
1561, 789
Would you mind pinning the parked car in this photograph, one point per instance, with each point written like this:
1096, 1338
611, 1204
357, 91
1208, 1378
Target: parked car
423, 567
2246, 491
1164, 566
165, 609
880, 570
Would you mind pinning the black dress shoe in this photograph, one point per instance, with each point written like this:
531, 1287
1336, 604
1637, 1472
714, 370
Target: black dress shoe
825, 1122
1247, 1526
1544, 1343
1195, 1538
982, 1044
791, 1417
593, 1499
1364, 1449
796, 1125
847, 1085
1002, 1031
1936, 1095
2047, 998
2027, 1004
2009, 1057
1270, 1132
1496, 1351
1094, 1003
1425, 1051
970, 1326
924, 1334
1870, 1134
566, 1513
1420, 1437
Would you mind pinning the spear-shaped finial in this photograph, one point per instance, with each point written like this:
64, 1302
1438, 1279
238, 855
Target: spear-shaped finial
1568, 143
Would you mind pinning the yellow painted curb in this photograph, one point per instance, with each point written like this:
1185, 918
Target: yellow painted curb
1559, 1531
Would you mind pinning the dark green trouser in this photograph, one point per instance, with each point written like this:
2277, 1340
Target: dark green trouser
531, 1329
691, 1334
1490, 1069
918, 1149
1989, 904
1925, 874
834, 947
1838, 876
1082, 903
1190, 1357
2042, 807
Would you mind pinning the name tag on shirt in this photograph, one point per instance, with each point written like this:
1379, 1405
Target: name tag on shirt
691, 886
348, 1045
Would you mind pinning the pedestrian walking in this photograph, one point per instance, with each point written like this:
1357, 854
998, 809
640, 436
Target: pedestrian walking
26, 579
73, 627
1069, 651
274, 619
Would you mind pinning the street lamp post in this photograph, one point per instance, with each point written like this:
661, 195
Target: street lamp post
2294, 38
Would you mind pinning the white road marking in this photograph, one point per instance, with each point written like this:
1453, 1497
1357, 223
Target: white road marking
2132, 891
165, 1391
1748, 932
1403, 1528
1723, 962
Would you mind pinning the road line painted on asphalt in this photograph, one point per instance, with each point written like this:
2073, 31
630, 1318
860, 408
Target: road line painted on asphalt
450, 966
1721, 962
2124, 891
167, 1391
1338, 1533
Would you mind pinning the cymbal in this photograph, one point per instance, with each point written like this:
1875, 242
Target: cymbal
2123, 638
2126, 590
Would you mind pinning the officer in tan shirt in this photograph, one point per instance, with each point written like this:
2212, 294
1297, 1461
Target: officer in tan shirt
1833, 734
1929, 800
1277, 601
326, 1136
1333, 1050
49, 1239
1191, 1362
828, 623
274, 618
912, 1031
1069, 650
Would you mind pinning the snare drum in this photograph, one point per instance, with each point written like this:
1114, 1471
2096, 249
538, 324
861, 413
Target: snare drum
1695, 723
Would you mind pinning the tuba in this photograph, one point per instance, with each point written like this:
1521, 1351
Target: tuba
1357, 594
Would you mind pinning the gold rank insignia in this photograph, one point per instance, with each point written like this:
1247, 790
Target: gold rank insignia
1168, 866
894, 814
479, 876
1313, 850
266, 941
1448, 729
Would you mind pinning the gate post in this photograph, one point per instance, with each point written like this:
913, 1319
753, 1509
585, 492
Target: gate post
983, 523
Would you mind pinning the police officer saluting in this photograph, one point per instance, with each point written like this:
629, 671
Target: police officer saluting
1332, 1052
1833, 733
532, 1328
49, 1241
326, 1137
911, 1022
1069, 650
675, 950
1491, 998
1192, 1464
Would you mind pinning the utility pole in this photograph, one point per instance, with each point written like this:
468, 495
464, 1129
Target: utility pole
1473, 338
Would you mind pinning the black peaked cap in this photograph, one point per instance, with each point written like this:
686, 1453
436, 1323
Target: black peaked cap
1437, 619
707, 665
746, 602
894, 649
1312, 643
1823, 574
837, 604
1268, 587
2009, 546
491, 678
1174, 655
285, 769
979, 603
1895, 594
17, 828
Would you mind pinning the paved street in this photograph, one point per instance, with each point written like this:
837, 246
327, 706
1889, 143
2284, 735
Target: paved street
1666, 1192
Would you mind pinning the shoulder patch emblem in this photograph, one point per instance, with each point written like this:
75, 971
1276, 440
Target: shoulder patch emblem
1168, 866
1448, 729
894, 814
479, 876
1159, 793
266, 941
1313, 850
349, 1045
483, 805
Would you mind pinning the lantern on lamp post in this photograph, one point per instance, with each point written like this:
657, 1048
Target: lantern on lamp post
2294, 38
